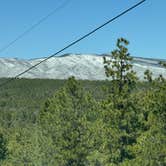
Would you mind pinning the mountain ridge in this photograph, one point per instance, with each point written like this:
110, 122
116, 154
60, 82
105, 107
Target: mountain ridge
82, 66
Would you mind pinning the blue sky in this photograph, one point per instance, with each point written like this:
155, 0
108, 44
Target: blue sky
144, 27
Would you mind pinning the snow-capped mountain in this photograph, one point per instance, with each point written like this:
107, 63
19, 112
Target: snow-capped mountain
81, 66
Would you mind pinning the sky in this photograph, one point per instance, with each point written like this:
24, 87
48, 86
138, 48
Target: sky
144, 27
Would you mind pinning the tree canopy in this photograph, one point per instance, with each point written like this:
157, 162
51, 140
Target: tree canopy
118, 122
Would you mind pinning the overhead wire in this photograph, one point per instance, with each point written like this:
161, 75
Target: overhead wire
75, 42
34, 26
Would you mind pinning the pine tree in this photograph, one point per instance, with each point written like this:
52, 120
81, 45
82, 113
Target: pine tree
119, 67
67, 121
162, 63
148, 75
3, 148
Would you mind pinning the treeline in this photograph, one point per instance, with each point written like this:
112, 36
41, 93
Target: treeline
110, 123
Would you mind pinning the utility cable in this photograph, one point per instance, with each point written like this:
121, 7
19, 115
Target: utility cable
34, 26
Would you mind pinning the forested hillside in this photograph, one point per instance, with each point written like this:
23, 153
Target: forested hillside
120, 122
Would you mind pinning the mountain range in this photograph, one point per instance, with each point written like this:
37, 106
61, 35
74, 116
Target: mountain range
82, 66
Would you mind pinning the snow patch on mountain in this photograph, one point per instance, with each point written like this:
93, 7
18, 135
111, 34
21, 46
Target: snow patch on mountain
81, 66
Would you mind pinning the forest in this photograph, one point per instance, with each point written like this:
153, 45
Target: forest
117, 122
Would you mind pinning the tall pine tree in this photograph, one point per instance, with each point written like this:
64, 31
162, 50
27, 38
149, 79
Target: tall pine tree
119, 67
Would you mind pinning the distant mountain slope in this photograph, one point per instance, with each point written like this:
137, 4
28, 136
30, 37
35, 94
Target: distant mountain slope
79, 65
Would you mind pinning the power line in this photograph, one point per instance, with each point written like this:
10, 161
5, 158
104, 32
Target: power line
34, 25
75, 42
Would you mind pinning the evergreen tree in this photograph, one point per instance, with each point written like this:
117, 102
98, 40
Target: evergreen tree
148, 75
67, 120
160, 78
3, 148
119, 67
162, 63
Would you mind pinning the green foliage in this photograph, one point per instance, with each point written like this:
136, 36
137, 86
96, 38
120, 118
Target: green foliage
150, 145
23, 146
148, 75
3, 148
81, 124
119, 67
162, 63
118, 122
68, 120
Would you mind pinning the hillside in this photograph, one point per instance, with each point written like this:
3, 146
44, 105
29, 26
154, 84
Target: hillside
81, 66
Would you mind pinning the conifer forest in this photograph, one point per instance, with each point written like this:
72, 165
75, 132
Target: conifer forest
116, 122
